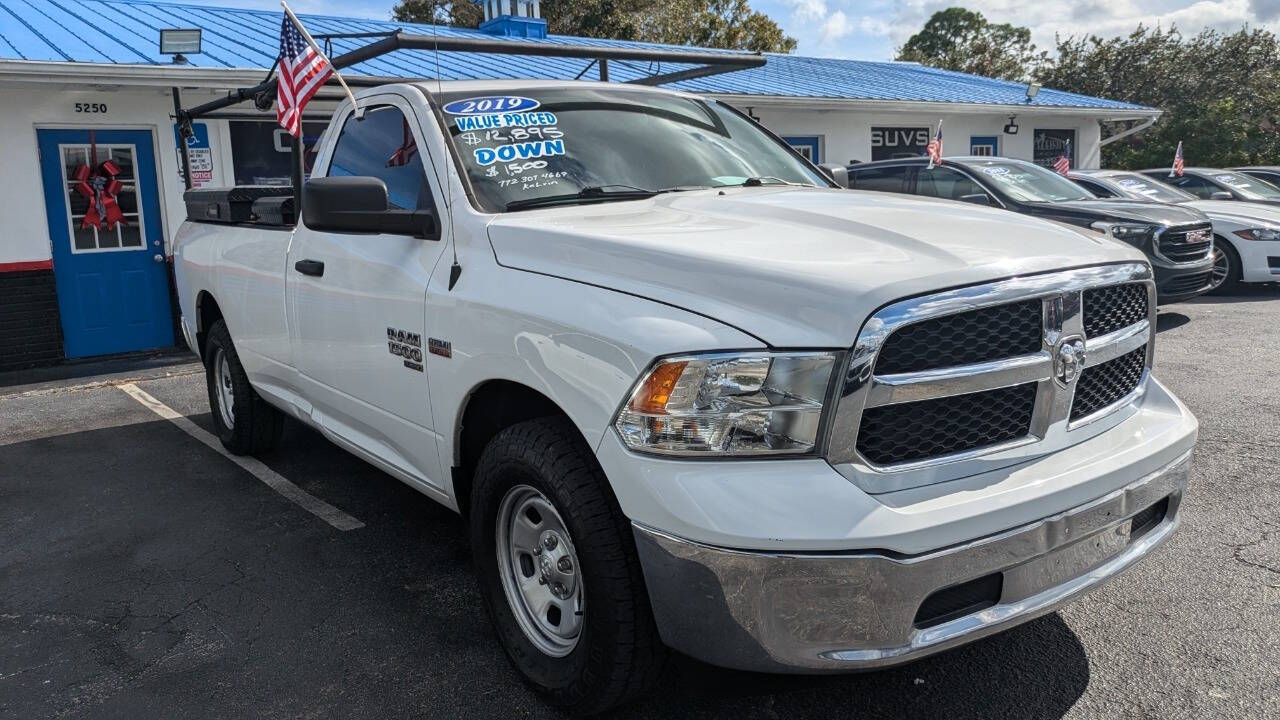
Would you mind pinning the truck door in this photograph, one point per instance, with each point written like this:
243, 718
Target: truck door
358, 300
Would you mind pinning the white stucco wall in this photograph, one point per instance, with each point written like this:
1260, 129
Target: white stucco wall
847, 133
27, 108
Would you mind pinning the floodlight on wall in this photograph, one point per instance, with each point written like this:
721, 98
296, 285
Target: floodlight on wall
1033, 89
180, 42
1012, 127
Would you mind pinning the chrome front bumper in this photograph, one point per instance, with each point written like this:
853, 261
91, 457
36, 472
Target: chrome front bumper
775, 612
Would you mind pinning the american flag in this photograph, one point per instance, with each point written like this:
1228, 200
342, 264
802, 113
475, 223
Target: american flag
1177, 162
934, 150
302, 72
1062, 165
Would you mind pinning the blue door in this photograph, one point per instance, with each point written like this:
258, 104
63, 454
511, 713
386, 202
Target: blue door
984, 145
108, 253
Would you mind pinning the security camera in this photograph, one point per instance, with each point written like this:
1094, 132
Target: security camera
1012, 127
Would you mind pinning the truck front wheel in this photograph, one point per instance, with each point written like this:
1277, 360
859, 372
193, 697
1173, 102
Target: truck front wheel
244, 422
557, 567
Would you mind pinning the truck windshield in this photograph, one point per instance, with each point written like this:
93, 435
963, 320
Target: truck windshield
1141, 187
596, 144
1025, 182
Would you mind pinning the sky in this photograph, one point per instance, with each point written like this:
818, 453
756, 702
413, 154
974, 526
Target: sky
873, 29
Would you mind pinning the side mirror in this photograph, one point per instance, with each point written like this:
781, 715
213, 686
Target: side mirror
977, 199
839, 174
359, 205
1220, 195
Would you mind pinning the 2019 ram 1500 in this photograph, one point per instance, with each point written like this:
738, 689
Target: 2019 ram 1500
688, 392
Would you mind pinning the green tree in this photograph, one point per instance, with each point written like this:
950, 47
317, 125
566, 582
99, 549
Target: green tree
964, 40
1219, 92
462, 13
728, 24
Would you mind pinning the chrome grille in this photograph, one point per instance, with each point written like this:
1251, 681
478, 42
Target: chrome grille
975, 336
928, 387
1185, 244
928, 428
1108, 309
1105, 384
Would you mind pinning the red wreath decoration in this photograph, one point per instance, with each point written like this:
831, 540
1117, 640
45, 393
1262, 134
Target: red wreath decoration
99, 184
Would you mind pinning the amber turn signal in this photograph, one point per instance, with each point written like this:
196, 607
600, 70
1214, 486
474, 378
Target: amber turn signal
652, 396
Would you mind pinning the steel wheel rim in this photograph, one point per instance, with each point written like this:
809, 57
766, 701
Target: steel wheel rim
1221, 267
539, 570
224, 389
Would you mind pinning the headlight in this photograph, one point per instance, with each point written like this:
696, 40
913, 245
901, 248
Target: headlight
1262, 233
1129, 232
729, 404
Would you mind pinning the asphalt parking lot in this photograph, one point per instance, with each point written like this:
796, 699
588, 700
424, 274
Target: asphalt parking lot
145, 575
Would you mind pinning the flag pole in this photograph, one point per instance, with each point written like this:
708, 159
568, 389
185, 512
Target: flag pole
298, 24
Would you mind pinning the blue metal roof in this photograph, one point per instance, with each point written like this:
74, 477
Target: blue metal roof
127, 32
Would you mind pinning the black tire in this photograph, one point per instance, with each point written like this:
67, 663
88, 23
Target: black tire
619, 654
1231, 281
255, 426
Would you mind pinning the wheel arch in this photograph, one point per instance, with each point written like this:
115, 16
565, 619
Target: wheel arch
208, 312
487, 409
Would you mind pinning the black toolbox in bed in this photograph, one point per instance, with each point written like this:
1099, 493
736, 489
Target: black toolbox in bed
259, 204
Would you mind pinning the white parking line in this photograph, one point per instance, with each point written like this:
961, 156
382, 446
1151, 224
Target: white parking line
253, 466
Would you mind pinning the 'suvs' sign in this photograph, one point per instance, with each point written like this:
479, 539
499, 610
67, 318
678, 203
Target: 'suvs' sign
892, 142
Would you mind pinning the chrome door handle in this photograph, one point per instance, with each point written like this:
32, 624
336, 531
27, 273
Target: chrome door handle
158, 258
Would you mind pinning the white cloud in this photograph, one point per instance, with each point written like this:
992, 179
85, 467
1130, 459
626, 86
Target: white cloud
836, 26
808, 9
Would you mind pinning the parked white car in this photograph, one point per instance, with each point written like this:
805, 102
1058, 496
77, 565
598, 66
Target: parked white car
688, 392
1246, 234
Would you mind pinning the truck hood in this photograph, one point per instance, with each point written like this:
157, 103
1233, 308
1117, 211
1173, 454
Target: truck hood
795, 267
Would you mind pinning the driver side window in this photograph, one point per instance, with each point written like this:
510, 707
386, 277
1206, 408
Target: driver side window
382, 145
947, 184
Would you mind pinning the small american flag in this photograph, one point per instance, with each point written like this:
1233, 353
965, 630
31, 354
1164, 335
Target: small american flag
1062, 165
934, 150
1177, 162
302, 72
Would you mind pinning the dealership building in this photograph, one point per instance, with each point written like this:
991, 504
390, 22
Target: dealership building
88, 103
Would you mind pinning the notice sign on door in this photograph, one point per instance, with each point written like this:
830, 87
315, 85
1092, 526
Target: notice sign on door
199, 154
888, 143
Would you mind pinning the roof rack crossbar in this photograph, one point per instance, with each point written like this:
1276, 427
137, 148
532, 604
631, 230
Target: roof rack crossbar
708, 63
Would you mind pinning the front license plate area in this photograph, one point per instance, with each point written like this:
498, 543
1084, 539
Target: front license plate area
1066, 563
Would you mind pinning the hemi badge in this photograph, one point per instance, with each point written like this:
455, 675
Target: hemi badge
443, 348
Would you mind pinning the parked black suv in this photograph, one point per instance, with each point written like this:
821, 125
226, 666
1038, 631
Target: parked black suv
1026, 188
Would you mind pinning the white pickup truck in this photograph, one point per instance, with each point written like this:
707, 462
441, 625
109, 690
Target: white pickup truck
688, 392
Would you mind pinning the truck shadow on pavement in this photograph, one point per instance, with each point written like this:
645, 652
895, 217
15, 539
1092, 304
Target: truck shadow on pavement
144, 573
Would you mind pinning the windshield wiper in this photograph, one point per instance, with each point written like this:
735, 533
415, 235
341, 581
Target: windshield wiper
604, 192
598, 192
769, 180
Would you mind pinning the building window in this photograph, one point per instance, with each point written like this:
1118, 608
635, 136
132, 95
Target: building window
1048, 146
810, 146
260, 151
91, 193
984, 145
